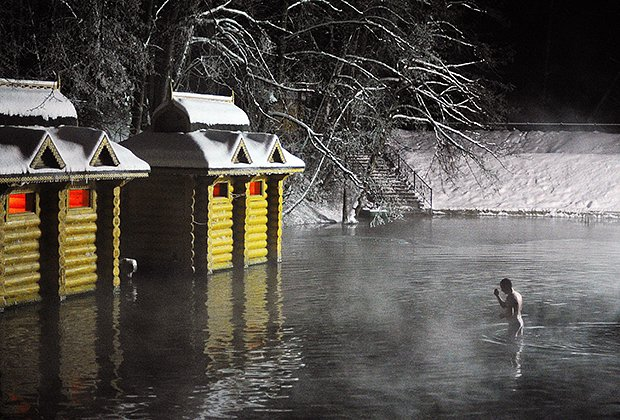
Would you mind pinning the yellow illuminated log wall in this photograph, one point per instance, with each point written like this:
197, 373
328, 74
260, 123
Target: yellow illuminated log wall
19, 254
219, 227
77, 230
176, 221
250, 224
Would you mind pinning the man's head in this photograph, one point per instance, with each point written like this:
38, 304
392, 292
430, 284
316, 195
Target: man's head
506, 285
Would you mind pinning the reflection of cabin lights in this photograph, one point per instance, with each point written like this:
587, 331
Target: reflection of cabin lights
256, 187
21, 203
220, 189
79, 198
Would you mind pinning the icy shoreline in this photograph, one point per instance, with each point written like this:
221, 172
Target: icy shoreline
589, 216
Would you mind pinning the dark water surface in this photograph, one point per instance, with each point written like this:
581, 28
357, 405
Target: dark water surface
397, 321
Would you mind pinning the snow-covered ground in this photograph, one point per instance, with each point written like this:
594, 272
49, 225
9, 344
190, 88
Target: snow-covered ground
548, 173
561, 174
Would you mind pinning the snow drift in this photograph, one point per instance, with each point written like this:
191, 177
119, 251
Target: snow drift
553, 173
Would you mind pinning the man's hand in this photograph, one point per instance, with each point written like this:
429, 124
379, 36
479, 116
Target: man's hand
496, 292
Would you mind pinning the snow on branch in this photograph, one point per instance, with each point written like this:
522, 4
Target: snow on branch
321, 147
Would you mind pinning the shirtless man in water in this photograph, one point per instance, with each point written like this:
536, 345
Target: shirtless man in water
513, 305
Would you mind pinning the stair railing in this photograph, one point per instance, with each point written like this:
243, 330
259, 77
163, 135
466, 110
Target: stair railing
421, 187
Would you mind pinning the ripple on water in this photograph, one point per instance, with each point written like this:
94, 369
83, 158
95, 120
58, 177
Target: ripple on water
590, 339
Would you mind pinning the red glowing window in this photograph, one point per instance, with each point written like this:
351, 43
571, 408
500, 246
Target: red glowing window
21, 203
79, 198
220, 189
256, 187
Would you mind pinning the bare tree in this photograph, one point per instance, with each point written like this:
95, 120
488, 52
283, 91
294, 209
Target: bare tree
335, 76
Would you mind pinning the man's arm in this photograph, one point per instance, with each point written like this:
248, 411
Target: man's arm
499, 299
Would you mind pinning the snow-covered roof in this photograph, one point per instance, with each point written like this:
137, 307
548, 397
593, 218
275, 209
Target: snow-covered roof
191, 111
30, 102
215, 151
50, 154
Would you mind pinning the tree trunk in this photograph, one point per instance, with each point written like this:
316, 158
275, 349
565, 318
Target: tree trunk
350, 197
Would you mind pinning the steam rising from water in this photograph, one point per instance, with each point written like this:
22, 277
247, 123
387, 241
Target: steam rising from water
393, 322
409, 316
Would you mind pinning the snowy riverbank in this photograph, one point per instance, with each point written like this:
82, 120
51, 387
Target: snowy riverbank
559, 174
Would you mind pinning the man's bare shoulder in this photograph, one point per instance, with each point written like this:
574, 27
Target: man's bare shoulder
515, 297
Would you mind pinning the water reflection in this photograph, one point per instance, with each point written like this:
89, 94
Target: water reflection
49, 357
20, 335
515, 349
393, 322
163, 348
400, 321
255, 309
78, 368
219, 345
252, 358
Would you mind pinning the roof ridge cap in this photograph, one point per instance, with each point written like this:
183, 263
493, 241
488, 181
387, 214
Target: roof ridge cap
29, 84
203, 96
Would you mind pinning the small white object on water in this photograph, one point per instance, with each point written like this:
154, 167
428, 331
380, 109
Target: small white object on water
128, 266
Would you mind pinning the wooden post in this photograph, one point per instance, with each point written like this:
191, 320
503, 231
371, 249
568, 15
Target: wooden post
108, 234
192, 219
275, 188
116, 237
199, 222
2, 217
239, 215
62, 239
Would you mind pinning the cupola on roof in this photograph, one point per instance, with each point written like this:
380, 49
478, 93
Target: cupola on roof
31, 102
186, 112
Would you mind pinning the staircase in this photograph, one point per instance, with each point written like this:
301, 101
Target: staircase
396, 181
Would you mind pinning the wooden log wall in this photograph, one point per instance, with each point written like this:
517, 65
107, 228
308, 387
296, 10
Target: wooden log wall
219, 228
239, 210
250, 224
157, 222
174, 221
19, 255
256, 226
77, 230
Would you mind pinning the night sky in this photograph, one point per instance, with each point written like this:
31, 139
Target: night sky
566, 65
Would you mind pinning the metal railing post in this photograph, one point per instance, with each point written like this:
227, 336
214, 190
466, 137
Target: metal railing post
420, 186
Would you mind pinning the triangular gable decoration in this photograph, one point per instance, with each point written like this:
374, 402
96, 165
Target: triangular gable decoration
47, 157
104, 155
241, 155
276, 155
